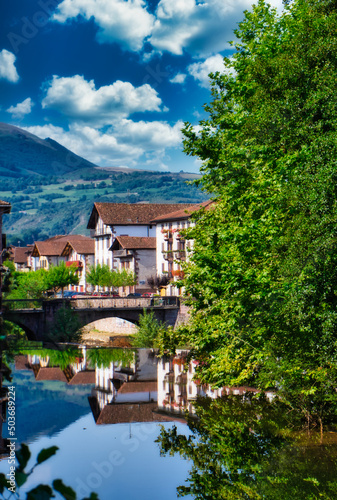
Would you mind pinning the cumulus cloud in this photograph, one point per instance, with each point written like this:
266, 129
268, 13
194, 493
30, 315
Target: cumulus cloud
126, 142
79, 99
201, 70
126, 22
179, 78
7, 66
201, 28
22, 108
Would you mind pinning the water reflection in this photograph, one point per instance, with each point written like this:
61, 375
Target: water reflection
228, 442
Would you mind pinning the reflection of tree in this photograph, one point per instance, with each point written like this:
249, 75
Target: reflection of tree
104, 357
249, 450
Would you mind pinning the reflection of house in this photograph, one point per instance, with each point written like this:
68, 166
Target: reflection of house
109, 220
126, 393
172, 248
80, 253
177, 389
75, 373
136, 254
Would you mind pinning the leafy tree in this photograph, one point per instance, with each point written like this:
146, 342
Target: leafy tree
102, 275
263, 276
149, 330
61, 276
67, 327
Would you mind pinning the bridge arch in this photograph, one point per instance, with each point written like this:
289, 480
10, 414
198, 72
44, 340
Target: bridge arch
30, 334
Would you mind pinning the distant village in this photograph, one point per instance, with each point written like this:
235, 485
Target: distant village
143, 238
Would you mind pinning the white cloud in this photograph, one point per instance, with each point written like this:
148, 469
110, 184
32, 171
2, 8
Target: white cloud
79, 99
7, 66
123, 21
22, 108
154, 135
201, 70
126, 142
202, 28
179, 78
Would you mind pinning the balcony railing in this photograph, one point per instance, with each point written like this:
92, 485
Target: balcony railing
168, 255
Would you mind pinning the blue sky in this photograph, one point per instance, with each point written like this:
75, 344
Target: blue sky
113, 80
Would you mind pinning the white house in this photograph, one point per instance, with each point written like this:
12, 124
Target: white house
172, 248
109, 220
50, 252
81, 253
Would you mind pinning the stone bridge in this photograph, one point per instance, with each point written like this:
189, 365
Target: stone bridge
37, 317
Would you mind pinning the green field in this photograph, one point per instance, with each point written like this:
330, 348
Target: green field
43, 206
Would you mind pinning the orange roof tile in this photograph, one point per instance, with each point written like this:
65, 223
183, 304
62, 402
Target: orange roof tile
184, 213
84, 246
21, 254
134, 242
130, 213
54, 246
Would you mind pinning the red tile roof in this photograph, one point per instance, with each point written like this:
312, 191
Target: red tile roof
51, 373
138, 386
184, 213
21, 254
84, 377
128, 412
134, 242
83, 247
54, 246
130, 213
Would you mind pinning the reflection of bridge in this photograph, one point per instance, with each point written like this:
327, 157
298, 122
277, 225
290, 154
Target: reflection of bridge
37, 317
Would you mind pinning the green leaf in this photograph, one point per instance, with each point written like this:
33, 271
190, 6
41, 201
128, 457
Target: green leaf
46, 453
67, 492
41, 492
3, 482
93, 496
20, 478
22, 456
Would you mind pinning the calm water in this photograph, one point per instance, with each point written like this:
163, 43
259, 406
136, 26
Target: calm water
129, 425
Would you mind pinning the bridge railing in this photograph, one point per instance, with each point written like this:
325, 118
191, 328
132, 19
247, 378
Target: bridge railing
123, 302
93, 303
19, 304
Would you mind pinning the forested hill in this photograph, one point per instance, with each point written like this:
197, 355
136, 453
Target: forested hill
23, 154
53, 196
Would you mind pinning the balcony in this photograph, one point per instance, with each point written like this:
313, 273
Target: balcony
180, 254
168, 255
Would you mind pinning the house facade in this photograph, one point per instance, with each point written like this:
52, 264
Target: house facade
172, 247
50, 252
21, 257
136, 254
80, 253
109, 220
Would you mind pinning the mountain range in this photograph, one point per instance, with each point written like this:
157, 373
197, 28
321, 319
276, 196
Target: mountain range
52, 190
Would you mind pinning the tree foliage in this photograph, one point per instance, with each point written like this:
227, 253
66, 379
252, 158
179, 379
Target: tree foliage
263, 276
61, 276
101, 275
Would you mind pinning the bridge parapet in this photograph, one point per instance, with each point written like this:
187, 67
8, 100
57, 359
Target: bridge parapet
120, 303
